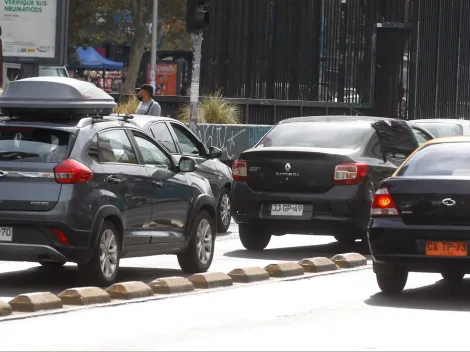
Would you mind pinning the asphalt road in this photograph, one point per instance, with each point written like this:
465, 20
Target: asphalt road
334, 312
17, 278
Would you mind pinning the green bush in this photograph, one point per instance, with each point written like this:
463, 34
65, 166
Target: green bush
213, 109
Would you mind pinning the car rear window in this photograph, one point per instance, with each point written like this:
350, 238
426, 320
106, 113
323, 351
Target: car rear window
316, 135
33, 144
442, 129
445, 159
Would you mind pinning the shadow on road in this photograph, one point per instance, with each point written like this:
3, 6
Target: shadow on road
39, 279
303, 252
440, 296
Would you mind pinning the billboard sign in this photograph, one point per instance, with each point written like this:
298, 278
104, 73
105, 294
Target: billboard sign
34, 31
166, 79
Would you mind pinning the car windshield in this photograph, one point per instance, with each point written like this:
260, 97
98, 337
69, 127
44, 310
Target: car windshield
446, 159
33, 144
442, 129
316, 135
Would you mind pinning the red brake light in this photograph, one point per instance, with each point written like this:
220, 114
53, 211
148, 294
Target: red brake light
60, 235
382, 204
239, 170
71, 171
350, 174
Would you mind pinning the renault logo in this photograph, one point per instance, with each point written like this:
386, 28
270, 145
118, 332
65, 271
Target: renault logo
449, 202
288, 167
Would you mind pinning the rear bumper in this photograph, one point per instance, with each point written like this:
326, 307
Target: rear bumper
340, 210
394, 244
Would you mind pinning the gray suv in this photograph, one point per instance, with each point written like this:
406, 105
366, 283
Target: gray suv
78, 185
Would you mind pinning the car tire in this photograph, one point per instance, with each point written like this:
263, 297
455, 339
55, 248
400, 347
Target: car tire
224, 215
346, 239
452, 277
199, 255
392, 283
253, 238
103, 267
52, 265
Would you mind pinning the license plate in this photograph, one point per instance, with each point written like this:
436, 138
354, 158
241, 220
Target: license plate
446, 249
6, 234
287, 210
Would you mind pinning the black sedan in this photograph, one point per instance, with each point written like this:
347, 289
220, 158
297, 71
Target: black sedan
179, 140
316, 175
420, 216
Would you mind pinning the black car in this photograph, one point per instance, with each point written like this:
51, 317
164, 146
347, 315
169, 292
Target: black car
179, 140
316, 175
420, 216
92, 190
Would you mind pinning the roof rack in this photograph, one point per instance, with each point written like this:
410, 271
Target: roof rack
55, 97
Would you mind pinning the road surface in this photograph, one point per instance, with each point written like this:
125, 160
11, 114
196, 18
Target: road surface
17, 278
333, 312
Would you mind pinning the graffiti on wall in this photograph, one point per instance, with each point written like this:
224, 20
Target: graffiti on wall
231, 139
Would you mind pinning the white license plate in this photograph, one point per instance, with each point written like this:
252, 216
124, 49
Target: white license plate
6, 234
287, 210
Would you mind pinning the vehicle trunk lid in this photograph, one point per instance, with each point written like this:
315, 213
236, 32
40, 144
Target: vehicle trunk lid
293, 170
395, 137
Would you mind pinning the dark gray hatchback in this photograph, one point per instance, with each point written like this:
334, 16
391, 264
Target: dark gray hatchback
93, 190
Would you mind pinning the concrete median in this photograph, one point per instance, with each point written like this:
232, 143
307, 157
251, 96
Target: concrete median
211, 280
318, 265
247, 275
84, 296
349, 260
170, 285
282, 270
34, 302
130, 290
5, 309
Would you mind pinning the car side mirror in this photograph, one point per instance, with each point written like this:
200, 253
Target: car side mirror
186, 164
214, 152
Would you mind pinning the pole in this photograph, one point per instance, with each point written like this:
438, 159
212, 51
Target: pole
153, 58
194, 97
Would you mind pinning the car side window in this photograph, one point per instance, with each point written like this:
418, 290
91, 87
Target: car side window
93, 149
162, 134
188, 147
115, 147
151, 153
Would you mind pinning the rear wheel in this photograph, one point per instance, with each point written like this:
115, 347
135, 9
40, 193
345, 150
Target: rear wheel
224, 214
392, 283
200, 252
453, 277
103, 267
253, 238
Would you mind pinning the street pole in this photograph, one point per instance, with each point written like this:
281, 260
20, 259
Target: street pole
194, 97
153, 58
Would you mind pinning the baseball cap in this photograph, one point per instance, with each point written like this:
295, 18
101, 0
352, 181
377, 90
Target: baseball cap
147, 88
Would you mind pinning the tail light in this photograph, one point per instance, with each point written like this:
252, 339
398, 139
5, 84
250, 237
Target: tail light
239, 170
382, 204
60, 235
350, 174
71, 171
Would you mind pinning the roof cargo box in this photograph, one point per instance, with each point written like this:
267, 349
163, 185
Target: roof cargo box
56, 97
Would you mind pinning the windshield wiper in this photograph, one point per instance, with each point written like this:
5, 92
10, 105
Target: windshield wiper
17, 155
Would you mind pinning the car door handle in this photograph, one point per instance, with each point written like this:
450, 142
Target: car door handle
158, 184
113, 180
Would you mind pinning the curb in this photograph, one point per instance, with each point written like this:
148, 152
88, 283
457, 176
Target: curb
46, 303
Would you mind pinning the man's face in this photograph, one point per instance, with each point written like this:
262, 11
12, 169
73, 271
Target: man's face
142, 94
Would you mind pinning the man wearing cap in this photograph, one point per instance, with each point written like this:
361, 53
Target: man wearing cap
147, 105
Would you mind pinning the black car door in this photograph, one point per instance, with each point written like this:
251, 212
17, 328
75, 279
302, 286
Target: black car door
171, 192
190, 145
127, 184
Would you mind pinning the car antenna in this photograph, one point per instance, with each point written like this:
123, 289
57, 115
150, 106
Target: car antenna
128, 117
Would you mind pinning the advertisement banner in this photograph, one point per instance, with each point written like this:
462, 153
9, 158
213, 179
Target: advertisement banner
166, 79
28, 28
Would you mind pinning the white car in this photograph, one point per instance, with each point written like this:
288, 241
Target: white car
444, 127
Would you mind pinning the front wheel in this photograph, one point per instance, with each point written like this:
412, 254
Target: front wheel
224, 214
198, 256
392, 283
103, 267
253, 238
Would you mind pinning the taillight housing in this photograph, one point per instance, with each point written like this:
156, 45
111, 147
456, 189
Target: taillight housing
60, 236
350, 174
382, 204
239, 170
71, 171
